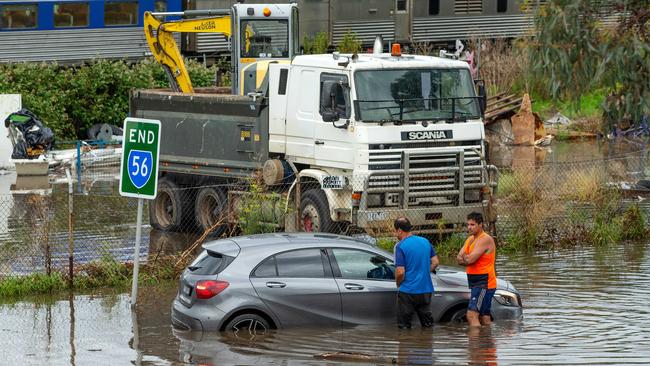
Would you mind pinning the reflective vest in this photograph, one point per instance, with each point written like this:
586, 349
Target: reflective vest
481, 273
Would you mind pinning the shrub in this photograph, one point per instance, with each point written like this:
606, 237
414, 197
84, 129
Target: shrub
316, 45
349, 44
71, 99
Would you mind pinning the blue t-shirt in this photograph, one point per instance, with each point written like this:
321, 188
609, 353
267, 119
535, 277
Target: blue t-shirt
414, 253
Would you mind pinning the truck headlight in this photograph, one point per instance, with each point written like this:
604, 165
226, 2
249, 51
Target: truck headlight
506, 298
375, 200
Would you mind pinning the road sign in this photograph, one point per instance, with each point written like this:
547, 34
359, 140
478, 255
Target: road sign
139, 167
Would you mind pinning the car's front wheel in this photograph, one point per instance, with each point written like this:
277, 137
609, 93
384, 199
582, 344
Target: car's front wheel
251, 323
458, 316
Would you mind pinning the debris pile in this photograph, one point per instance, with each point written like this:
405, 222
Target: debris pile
29, 136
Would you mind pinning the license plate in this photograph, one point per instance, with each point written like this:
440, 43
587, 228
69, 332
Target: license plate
377, 216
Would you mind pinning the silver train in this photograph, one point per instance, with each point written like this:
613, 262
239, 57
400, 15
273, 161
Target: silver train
404, 21
68, 31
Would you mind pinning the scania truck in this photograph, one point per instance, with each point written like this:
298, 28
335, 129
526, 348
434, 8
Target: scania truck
352, 141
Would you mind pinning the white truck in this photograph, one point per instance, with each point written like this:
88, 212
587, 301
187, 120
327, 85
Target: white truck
353, 140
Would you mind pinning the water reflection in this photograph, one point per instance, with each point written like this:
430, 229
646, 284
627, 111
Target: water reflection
481, 346
582, 306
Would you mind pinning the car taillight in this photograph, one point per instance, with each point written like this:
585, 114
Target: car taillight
206, 289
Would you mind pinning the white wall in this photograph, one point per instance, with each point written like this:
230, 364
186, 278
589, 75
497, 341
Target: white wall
9, 103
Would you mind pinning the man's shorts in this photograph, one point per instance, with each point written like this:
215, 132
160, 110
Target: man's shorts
481, 300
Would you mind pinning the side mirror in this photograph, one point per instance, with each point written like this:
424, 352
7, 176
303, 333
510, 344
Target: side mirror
330, 115
482, 94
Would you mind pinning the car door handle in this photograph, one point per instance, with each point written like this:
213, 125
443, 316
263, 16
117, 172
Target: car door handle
353, 286
276, 285
317, 142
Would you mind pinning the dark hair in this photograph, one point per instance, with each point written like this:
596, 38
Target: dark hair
402, 223
476, 216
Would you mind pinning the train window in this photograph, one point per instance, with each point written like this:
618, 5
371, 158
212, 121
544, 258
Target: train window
14, 16
71, 15
502, 6
160, 6
400, 5
434, 7
121, 13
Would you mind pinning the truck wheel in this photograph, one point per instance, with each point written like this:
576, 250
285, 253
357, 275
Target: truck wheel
315, 212
166, 210
210, 209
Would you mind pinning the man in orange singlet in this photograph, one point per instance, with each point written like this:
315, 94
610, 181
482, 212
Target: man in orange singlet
478, 255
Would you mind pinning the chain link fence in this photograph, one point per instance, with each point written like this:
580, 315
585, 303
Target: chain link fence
82, 217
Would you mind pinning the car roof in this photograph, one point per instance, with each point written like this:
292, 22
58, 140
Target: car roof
281, 241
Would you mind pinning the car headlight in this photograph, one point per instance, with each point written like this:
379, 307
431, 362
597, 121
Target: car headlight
506, 298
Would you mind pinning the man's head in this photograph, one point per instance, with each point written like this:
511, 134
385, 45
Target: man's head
474, 223
402, 227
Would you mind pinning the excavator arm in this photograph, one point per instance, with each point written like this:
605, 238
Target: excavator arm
165, 50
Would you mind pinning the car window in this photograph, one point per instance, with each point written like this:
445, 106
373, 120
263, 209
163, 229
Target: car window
266, 268
300, 263
209, 263
359, 264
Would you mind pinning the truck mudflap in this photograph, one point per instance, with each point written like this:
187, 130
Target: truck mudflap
435, 190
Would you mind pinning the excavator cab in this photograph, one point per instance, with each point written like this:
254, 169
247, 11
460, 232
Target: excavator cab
258, 32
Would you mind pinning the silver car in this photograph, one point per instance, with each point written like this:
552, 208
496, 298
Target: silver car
310, 280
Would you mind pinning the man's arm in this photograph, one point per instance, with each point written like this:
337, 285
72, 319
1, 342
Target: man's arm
460, 258
481, 247
399, 275
434, 263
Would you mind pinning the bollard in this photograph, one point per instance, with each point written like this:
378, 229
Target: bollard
79, 166
70, 229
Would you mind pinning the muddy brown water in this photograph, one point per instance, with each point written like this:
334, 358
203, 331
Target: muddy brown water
582, 306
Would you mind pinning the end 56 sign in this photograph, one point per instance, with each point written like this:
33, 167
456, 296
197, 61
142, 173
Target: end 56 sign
140, 150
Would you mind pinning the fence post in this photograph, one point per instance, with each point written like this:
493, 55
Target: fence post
70, 231
79, 166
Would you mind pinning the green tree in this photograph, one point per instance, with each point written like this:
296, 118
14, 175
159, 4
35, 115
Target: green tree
572, 52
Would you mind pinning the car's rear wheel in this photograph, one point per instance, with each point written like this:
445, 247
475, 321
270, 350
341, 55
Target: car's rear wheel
251, 323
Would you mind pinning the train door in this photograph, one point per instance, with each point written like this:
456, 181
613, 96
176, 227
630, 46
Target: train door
403, 14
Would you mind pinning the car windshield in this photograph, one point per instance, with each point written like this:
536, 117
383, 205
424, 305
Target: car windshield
415, 95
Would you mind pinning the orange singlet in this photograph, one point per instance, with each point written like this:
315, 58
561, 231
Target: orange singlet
481, 273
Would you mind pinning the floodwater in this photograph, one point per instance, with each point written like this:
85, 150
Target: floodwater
583, 306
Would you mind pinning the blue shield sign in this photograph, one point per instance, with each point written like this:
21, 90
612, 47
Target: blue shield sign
140, 164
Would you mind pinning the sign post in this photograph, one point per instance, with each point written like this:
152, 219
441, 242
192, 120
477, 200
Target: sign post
139, 175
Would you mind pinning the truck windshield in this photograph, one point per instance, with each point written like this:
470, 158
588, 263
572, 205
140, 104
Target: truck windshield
265, 38
415, 95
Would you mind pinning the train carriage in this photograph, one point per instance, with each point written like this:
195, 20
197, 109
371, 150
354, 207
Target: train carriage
71, 31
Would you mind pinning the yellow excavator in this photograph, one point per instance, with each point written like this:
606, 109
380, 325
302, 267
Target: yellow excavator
270, 34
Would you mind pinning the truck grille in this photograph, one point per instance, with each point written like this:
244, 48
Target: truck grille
424, 175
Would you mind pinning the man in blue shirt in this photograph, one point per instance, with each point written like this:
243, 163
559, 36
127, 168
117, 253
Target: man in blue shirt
415, 259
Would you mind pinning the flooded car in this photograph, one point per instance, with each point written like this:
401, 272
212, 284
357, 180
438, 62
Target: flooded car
309, 280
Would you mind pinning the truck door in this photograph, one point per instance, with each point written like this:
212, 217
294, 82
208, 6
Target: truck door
332, 140
302, 114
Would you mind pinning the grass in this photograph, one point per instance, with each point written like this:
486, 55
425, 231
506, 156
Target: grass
106, 272
589, 106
